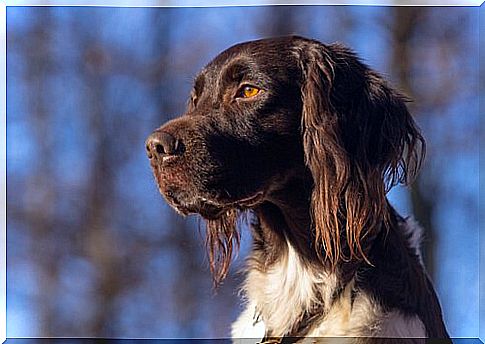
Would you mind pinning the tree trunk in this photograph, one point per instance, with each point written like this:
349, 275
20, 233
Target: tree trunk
402, 30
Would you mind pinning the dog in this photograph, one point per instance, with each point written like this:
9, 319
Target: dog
309, 140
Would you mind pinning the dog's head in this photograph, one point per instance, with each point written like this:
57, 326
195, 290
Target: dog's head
265, 110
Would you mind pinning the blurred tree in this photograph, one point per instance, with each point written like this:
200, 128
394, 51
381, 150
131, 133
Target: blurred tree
415, 32
281, 20
34, 202
99, 242
403, 26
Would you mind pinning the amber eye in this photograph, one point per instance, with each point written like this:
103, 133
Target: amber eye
249, 91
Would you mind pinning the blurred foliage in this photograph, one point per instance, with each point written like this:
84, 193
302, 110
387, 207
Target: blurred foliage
93, 250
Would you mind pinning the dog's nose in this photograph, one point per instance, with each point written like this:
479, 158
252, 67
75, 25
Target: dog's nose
161, 144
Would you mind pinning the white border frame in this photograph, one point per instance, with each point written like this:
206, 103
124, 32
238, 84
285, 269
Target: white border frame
238, 3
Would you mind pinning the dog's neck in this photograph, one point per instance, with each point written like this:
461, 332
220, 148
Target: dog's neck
285, 219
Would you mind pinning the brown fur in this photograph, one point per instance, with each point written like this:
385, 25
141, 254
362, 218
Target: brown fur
222, 240
350, 175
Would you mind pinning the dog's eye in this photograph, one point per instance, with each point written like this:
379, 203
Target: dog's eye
249, 92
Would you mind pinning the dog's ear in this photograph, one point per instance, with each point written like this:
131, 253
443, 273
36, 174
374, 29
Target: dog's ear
359, 140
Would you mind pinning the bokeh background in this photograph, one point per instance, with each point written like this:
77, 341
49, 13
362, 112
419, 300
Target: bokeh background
93, 250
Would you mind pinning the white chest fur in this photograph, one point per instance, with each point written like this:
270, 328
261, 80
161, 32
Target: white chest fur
285, 291
282, 294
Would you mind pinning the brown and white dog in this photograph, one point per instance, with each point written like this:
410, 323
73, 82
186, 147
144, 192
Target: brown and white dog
309, 139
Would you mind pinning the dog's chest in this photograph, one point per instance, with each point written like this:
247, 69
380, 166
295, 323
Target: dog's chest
287, 292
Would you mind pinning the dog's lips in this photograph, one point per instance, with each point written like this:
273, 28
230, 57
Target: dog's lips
209, 209
251, 201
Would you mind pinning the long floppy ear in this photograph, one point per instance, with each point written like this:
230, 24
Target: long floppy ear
359, 140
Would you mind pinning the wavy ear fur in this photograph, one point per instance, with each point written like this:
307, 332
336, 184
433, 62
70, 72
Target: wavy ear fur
359, 140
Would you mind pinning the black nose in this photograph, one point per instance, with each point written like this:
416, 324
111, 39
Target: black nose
161, 144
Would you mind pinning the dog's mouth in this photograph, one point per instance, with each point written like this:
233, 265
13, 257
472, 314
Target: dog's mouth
186, 199
210, 209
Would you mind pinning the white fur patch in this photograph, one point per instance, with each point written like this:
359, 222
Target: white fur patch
288, 288
414, 231
247, 326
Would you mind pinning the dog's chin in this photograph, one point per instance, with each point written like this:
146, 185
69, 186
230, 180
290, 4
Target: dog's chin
211, 209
